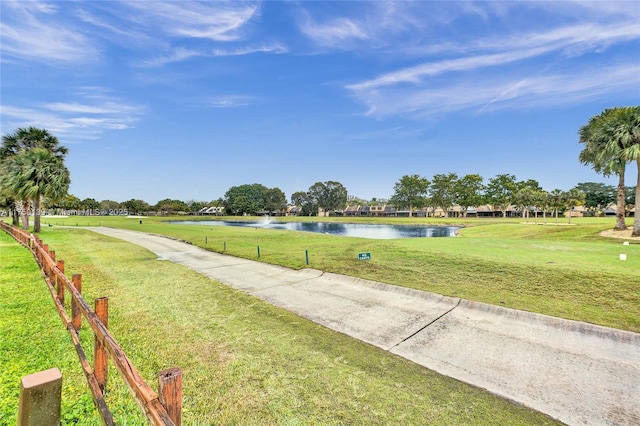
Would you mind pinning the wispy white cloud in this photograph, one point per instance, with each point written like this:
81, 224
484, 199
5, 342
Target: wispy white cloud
247, 50
181, 54
415, 74
571, 41
230, 101
534, 67
219, 21
178, 54
75, 107
31, 31
105, 25
75, 120
336, 32
499, 92
369, 25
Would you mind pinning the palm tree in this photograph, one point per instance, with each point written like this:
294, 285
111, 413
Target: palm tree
32, 137
14, 145
32, 175
574, 197
525, 199
608, 139
625, 128
557, 201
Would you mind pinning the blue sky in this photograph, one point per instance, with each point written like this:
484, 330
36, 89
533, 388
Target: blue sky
185, 100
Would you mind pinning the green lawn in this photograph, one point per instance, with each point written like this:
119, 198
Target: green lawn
243, 360
566, 271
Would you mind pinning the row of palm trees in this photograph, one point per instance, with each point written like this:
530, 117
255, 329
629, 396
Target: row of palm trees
32, 168
612, 139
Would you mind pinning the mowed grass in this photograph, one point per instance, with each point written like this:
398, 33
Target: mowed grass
33, 338
566, 271
243, 360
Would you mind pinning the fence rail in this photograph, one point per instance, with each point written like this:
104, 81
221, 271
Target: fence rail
166, 409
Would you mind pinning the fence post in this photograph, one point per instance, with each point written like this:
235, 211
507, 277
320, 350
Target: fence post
170, 390
100, 355
40, 395
59, 282
76, 314
52, 274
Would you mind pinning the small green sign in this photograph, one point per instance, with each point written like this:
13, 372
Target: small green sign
364, 256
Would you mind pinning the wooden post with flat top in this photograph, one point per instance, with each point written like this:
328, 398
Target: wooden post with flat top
170, 390
59, 282
76, 314
100, 355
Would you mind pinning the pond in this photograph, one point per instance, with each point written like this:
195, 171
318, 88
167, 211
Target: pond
374, 231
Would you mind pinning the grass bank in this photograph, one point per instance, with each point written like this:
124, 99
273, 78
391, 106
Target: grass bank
567, 270
244, 361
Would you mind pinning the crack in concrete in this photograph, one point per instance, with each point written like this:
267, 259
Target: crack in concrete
421, 329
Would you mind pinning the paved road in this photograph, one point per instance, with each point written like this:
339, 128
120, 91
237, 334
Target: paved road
578, 373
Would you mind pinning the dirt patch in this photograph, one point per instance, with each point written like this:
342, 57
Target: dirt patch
626, 234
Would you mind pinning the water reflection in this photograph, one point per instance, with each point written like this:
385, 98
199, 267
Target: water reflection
374, 231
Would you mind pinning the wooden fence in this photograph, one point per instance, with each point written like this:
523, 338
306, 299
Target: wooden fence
164, 409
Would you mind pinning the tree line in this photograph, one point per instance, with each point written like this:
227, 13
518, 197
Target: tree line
33, 177
503, 192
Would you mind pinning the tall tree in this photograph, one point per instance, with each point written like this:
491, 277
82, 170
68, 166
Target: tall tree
409, 192
18, 143
245, 199
33, 174
500, 191
443, 191
274, 200
525, 195
627, 132
302, 200
328, 195
612, 138
469, 191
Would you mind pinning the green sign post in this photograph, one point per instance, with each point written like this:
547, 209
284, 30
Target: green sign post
364, 256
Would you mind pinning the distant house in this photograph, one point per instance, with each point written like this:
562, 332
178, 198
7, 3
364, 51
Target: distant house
293, 211
610, 210
214, 210
377, 211
354, 211
577, 211
351, 211
390, 211
484, 211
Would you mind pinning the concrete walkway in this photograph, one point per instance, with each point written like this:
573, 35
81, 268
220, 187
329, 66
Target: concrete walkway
579, 373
